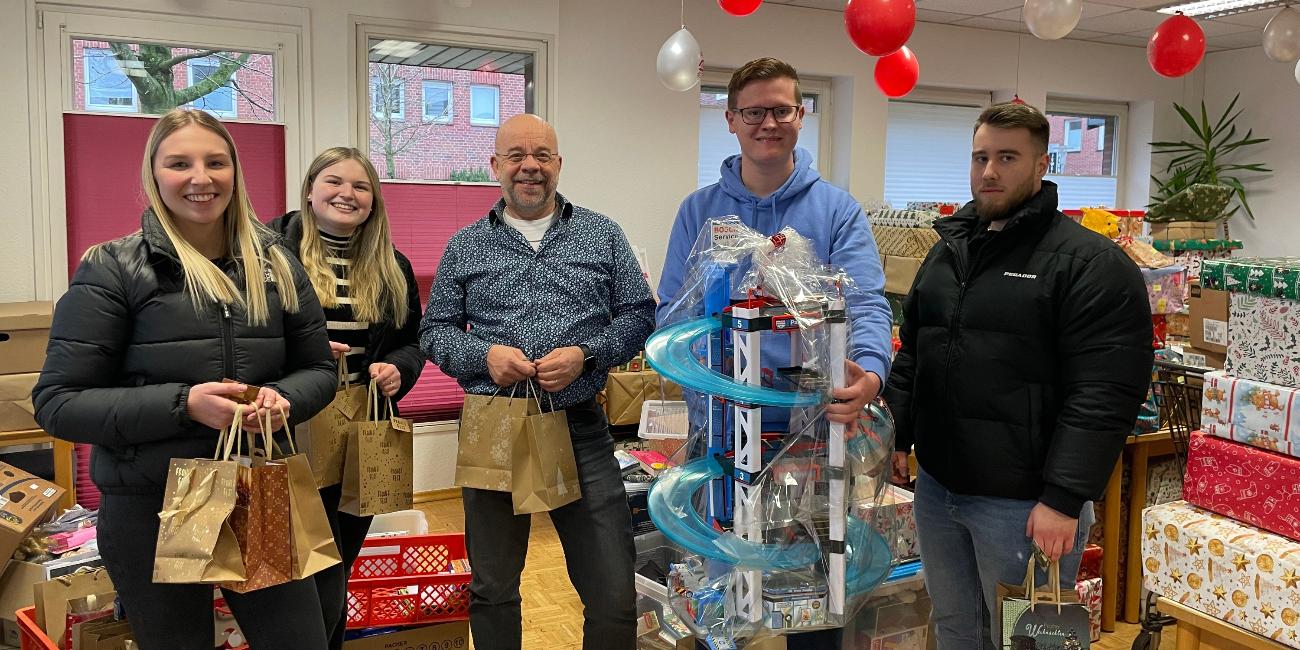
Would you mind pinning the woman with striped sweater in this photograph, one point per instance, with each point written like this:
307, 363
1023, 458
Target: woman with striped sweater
372, 313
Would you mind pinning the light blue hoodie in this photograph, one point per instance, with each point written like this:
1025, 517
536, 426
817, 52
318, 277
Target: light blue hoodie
819, 211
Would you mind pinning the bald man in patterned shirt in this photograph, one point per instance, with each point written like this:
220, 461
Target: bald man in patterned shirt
545, 291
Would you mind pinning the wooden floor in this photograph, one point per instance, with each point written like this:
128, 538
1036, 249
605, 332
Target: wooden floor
553, 614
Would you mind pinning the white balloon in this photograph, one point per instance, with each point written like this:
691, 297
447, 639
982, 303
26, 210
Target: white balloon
1297, 72
1282, 36
1052, 19
679, 61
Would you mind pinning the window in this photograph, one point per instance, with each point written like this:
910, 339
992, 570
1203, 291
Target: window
112, 77
928, 146
717, 143
438, 102
219, 102
496, 81
484, 105
106, 87
388, 97
1088, 136
1073, 135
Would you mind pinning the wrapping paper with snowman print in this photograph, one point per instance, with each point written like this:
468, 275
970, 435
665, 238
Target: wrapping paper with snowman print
1246, 483
1251, 412
1264, 339
1223, 568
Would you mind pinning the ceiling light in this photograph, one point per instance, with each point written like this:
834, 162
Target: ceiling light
1218, 8
398, 49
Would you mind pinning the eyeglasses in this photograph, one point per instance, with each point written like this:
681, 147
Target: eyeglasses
756, 114
516, 157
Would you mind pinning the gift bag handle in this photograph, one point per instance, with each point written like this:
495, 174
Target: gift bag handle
536, 395
226, 441
372, 404
1053, 583
343, 372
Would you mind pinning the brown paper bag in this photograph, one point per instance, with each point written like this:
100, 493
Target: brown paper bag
544, 474
104, 634
489, 427
196, 543
312, 540
324, 438
379, 472
261, 518
52, 597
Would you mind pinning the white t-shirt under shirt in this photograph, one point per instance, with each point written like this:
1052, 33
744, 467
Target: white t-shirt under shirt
533, 230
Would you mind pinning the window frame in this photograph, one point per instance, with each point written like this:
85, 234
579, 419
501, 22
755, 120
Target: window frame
234, 94
1101, 108
450, 117
106, 108
1078, 128
400, 88
496, 106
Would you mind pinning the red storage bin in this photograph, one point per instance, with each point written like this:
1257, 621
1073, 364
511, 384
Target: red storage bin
31, 635
408, 580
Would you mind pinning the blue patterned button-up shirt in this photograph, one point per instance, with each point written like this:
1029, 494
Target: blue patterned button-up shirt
582, 286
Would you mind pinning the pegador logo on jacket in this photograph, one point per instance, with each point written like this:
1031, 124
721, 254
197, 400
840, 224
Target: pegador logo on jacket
1026, 276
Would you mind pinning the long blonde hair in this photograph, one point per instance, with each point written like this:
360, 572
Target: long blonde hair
204, 281
376, 283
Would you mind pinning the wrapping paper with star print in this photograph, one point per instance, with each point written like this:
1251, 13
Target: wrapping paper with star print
1226, 569
1251, 412
1264, 339
1245, 483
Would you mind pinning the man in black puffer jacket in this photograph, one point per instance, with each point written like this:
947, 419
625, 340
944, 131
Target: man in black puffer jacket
1026, 351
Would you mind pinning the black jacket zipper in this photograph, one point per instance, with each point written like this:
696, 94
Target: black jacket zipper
228, 343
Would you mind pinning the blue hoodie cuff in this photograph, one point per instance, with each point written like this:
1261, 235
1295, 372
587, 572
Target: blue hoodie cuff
872, 364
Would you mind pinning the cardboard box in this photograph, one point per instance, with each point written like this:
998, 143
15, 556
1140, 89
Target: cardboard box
904, 242
1208, 309
626, 391
24, 332
1176, 230
16, 410
25, 501
1194, 356
17, 580
445, 635
900, 272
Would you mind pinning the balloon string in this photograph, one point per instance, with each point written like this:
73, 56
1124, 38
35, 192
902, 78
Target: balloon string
683, 14
1020, 39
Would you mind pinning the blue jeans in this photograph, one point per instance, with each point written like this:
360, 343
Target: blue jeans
968, 545
595, 532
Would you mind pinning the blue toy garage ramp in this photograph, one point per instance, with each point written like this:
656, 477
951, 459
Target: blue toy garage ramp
867, 558
669, 352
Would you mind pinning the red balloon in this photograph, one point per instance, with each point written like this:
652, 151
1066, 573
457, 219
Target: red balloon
879, 27
739, 7
897, 73
1176, 47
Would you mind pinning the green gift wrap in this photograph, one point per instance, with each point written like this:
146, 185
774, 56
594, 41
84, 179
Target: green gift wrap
1271, 277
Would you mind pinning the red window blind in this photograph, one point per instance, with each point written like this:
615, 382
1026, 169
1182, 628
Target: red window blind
423, 217
102, 156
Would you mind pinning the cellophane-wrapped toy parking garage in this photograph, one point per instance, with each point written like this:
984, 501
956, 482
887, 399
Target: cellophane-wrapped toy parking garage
772, 509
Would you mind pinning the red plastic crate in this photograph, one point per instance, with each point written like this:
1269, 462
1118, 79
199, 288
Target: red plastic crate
406, 581
31, 635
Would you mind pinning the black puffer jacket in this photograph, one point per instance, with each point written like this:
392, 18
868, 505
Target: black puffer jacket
388, 344
127, 343
1024, 361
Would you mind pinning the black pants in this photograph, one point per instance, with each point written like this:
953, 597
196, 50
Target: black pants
332, 583
179, 617
595, 531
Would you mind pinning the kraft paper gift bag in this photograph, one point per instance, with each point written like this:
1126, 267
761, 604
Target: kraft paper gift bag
1042, 617
196, 543
544, 474
51, 596
489, 426
312, 540
324, 438
379, 473
261, 518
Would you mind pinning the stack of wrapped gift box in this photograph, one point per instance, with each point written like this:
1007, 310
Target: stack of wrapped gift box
1231, 549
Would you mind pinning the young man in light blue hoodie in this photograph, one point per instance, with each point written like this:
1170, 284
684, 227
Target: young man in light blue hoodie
771, 184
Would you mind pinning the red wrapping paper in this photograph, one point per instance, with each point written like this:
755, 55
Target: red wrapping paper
1246, 483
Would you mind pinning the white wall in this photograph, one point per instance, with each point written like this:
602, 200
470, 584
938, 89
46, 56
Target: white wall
1270, 103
